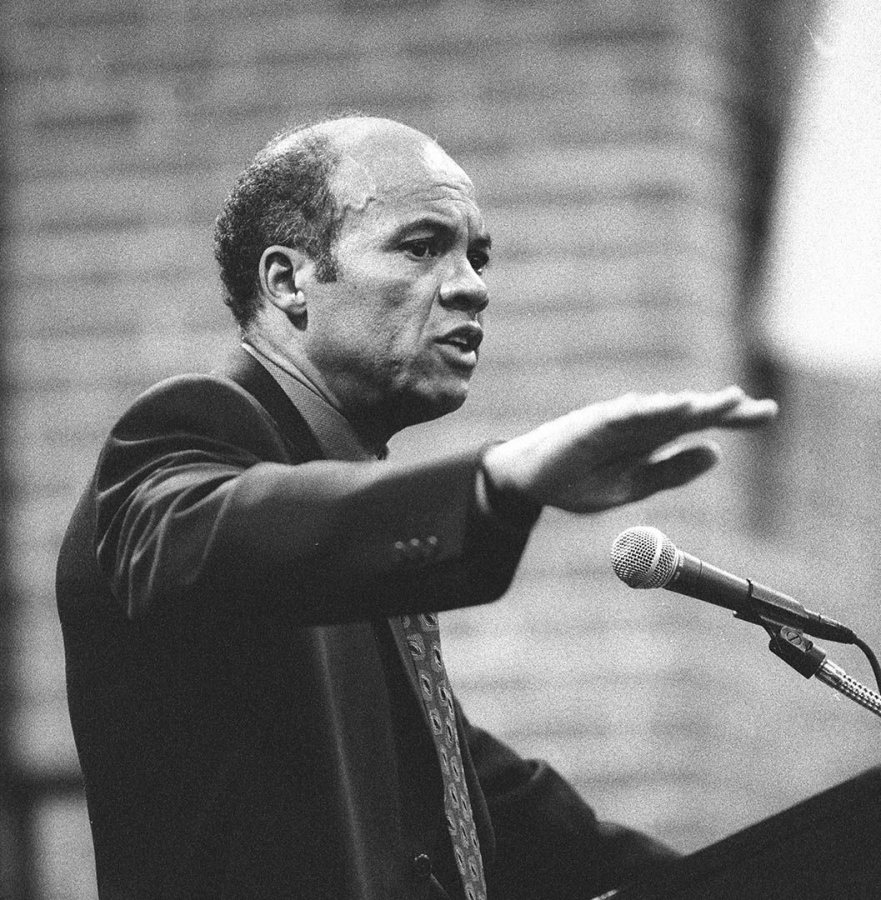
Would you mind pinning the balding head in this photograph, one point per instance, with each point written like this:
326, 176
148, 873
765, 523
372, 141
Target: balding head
302, 185
347, 133
372, 157
357, 137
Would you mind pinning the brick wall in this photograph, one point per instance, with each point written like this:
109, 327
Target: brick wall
611, 145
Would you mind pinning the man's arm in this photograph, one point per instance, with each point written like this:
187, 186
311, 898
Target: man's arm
548, 841
192, 508
199, 509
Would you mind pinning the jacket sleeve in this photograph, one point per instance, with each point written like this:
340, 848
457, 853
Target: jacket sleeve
548, 841
199, 509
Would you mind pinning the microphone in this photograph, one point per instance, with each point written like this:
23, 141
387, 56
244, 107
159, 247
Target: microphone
644, 557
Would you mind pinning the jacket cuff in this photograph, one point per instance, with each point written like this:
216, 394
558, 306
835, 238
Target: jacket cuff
508, 508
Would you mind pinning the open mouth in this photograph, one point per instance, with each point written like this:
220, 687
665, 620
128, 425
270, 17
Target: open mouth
466, 338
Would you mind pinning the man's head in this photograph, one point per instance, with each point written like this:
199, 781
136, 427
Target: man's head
379, 290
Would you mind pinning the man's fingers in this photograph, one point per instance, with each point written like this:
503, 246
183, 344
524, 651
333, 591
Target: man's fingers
676, 466
661, 417
749, 414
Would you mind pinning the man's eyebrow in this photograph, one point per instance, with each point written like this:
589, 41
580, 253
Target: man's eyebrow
429, 223
440, 225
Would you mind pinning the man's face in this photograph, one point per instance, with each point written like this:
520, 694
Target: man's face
397, 333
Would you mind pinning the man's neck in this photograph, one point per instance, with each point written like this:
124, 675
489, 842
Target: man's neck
371, 430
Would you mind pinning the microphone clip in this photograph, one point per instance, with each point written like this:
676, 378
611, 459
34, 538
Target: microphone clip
796, 650
809, 660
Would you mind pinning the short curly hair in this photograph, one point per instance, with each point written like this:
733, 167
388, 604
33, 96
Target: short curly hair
283, 197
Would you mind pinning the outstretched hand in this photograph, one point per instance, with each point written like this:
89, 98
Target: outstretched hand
622, 450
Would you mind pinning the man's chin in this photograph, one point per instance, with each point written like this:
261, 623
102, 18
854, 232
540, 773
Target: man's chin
424, 408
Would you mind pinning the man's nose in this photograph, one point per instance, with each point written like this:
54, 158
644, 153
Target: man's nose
464, 288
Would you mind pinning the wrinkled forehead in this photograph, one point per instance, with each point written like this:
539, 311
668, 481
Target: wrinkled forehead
399, 169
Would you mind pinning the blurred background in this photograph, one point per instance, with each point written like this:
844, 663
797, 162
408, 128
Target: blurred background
681, 192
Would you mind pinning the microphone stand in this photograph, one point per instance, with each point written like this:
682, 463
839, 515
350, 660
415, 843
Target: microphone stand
809, 660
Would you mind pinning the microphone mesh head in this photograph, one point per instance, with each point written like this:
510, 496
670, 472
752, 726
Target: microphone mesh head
644, 557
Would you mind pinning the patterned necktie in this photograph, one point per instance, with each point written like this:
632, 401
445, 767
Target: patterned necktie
423, 639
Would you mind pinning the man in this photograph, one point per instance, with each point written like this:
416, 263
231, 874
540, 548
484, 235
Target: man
247, 592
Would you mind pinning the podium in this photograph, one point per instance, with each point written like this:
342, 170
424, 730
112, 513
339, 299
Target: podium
828, 846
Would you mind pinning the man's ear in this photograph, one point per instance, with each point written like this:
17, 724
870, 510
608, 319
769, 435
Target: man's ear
282, 273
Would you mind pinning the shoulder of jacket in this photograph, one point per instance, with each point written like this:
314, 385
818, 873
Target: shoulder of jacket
189, 387
207, 404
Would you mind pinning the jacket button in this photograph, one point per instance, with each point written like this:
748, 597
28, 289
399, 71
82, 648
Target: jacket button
422, 865
416, 550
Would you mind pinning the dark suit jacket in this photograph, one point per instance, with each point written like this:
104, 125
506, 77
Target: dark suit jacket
246, 724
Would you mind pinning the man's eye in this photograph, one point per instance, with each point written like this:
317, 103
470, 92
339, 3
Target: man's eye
420, 249
479, 261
